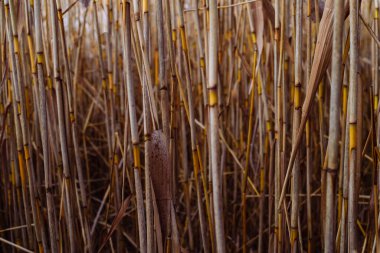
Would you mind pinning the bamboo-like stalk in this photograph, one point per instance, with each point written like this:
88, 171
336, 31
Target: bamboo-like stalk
18, 163
319, 65
144, 57
278, 121
296, 121
186, 64
73, 124
104, 79
376, 133
215, 89
19, 98
134, 131
164, 93
170, 34
201, 54
333, 148
62, 131
344, 167
352, 120
213, 115
202, 66
109, 98
249, 136
43, 126
147, 136
308, 135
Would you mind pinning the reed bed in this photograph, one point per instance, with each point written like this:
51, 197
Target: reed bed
189, 126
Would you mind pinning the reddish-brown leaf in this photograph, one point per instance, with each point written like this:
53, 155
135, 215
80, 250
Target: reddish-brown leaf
161, 175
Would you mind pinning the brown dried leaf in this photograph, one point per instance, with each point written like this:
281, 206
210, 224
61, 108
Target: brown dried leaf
322, 58
161, 176
116, 222
322, 55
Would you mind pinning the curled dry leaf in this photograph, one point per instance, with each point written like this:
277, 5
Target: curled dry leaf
322, 56
321, 60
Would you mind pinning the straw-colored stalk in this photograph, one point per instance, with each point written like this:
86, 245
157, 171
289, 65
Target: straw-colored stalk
214, 126
353, 123
127, 55
294, 237
333, 148
43, 126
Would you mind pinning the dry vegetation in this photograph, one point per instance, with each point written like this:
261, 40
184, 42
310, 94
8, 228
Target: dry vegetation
189, 126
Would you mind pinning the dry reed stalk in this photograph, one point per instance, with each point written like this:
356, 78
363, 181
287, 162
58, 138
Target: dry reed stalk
147, 133
127, 53
353, 125
189, 79
67, 178
294, 237
74, 131
375, 132
43, 126
214, 126
164, 90
18, 92
307, 132
333, 148
249, 137
320, 63
214, 87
